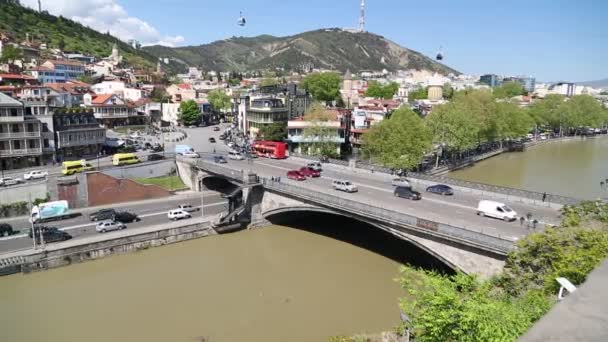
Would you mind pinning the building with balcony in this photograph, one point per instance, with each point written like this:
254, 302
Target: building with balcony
362, 119
305, 136
263, 112
55, 71
77, 134
20, 136
111, 111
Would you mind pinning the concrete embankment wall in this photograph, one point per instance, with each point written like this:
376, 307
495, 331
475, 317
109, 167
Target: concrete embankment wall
146, 170
23, 192
100, 246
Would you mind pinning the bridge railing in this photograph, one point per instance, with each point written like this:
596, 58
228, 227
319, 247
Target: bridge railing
474, 238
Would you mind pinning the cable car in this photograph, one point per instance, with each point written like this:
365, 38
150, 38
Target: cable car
439, 56
241, 21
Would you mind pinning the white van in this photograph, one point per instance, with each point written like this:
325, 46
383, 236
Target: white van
235, 155
344, 185
496, 209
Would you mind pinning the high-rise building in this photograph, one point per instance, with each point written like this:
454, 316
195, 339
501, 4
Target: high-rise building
491, 80
528, 82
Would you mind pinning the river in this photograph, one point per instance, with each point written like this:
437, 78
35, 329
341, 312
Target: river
271, 284
572, 168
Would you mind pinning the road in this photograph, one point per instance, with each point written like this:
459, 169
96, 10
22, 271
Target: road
376, 190
151, 212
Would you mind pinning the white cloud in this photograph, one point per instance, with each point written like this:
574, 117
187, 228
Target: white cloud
104, 16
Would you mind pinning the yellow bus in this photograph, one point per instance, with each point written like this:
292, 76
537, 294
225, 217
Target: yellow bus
72, 167
124, 159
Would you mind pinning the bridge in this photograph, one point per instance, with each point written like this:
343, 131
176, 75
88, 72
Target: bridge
467, 243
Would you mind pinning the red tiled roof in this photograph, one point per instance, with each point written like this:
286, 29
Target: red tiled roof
101, 98
184, 86
7, 87
40, 68
16, 77
64, 62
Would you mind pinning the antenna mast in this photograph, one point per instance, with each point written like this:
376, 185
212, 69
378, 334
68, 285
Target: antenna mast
39, 6
362, 17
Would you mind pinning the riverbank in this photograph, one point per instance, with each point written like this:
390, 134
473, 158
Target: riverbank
104, 245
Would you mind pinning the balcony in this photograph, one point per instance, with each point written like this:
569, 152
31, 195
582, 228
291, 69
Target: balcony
19, 135
20, 152
17, 118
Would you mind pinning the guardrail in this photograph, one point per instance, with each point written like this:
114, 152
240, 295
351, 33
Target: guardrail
492, 243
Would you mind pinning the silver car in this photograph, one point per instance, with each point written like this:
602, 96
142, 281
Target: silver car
6, 181
109, 225
401, 182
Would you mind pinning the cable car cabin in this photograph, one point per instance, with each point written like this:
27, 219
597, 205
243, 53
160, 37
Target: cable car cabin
270, 149
439, 57
241, 21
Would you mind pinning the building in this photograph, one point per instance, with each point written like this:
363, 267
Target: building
490, 80
300, 142
20, 136
55, 71
77, 134
17, 79
111, 111
118, 88
362, 119
527, 82
181, 92
75, 56
265, 111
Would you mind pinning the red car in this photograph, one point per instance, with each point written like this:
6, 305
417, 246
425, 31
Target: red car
310, 172
296, 175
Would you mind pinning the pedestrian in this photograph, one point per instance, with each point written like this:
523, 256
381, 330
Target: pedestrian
534, 223
544, 196
521, 221
372, 169
214, 150
272, 178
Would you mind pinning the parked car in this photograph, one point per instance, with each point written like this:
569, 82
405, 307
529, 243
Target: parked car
50, 234
126, 217
222, 136
191, 155
216, 128
187, 208
496, 209
7, 181
178, 214
401, 181
344, 185
109, 225
310, 172
235, 155
6, 229
37, 174
440, 189
212, 140
103, 214
315, 166
154, 157
230, 144
219, 159
407, 192
295, 175
157, 148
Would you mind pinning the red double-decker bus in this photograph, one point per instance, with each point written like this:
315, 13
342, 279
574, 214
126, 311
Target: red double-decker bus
270, 149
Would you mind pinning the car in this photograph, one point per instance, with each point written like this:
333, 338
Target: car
496, 210
296, 175
310, 172
315, 166
222, 137
407, 192
6, 229
212, 140
219, 159
401, 181
216, 129
103, 214
157, 148
178, 214
187, 208
344, 185
154, 157
126, 217
37, 174
191, 154
230, 144
235, 155
440, 189
7, 181
50, 234
109, 225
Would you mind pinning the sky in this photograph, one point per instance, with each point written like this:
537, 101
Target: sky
551, 40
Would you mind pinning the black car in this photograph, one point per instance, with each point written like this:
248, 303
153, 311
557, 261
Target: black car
409, 193
212, 140
440, 189
153, 157
222, 136
219, 159
50, 234
126, 217
6, 229
103, 214
157, 148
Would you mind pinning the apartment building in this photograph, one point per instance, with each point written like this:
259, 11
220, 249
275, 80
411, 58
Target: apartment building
265, 111
77, 134
20, 136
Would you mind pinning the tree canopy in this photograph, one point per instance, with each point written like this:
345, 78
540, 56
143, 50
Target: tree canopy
323, 86
10, 54
398, 142
318, 136
418, 94
379, 91
275, 131
557, 111
219, 100
508, 90
189, 113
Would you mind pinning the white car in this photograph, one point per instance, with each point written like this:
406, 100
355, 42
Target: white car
109, 225
6, 181
187, 208
235, 155
191, 155
496, 209
37, 174
315, 166
344, 185
178, 214
401, 182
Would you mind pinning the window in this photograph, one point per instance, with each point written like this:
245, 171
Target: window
46, 143
32, 143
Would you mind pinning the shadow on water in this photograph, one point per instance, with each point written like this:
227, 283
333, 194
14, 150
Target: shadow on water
362, 235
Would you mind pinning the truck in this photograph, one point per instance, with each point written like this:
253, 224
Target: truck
181, 149
50, 211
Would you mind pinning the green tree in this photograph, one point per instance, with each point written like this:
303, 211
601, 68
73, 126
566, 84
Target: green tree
159, 95
189, 113
549, 111
379, 91
508, 90
219, 100
418, 94
451, 124
398, 142
323, 86
267, 82
86, 79
584, 110
275, 131
319, 136
448, 91
10, 54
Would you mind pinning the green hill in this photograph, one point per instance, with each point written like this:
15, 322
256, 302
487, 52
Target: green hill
327, 48
66, 34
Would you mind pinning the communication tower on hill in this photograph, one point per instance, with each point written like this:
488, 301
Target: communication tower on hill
362, 17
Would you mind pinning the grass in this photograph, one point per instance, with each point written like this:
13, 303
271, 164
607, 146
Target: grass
124, 129
168, 182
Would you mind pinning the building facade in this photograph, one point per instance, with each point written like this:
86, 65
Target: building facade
490, 80
77, 134
265, 111
527, 82
308, 137
54, 71
112, 111
20, 136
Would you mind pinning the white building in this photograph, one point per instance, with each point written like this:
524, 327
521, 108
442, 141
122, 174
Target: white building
118, 88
